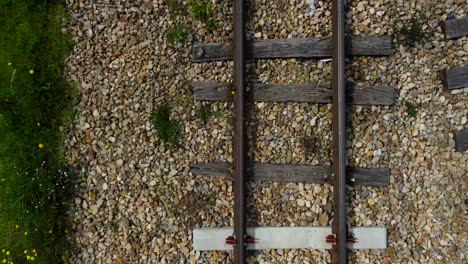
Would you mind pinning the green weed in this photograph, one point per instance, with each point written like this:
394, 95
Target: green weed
202, 10
179, 33
411, 32
412, 109
204, 113
115, 227
168, 130
35, 110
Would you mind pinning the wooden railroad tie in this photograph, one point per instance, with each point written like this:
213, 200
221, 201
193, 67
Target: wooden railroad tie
294, 48
295, 173
461, 140
455, 28
302, 93
455, 78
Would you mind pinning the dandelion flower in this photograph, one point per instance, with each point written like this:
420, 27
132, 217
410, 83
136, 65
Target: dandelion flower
31, 71
41, 145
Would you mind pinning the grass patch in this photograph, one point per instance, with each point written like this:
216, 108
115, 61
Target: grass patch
179, 33
204, 113
168, 130
412, 109
35, 108
202, 10
409, 33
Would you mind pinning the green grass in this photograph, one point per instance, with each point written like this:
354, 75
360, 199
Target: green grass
409, 33
35, 108
202, 10
412, 109
168, 130
179, 33
204, 113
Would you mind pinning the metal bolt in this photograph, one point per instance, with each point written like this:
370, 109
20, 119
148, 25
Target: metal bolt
199, 52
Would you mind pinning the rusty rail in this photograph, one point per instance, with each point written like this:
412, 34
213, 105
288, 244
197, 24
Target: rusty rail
339, 227
240, 153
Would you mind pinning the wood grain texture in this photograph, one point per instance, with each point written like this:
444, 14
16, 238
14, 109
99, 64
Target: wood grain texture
294, 48
295, 173
461, 140
304, 93
455, 28
455, 78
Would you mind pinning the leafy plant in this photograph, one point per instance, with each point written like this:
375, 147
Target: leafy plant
410, 32
204, 113
412, 109
179, 33
168, 130
202, 10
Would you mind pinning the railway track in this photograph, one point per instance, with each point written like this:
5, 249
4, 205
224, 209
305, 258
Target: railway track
339, 237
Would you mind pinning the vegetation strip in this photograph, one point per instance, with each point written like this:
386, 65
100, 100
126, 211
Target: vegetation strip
35, 108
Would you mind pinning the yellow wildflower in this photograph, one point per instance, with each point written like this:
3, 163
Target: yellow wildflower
4, 261
31, 71
26, 251
38, 124
50, 231
34, 250
9, 64
17, 226
32, 258
26, 233
28, 257
8, 253
233, 92
41, 145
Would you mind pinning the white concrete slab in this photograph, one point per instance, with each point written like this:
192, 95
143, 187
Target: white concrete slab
288, 238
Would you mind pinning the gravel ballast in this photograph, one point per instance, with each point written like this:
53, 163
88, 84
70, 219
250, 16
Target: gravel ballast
137, 201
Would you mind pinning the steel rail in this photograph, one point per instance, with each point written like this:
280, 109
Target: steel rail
240, 149
339, 226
